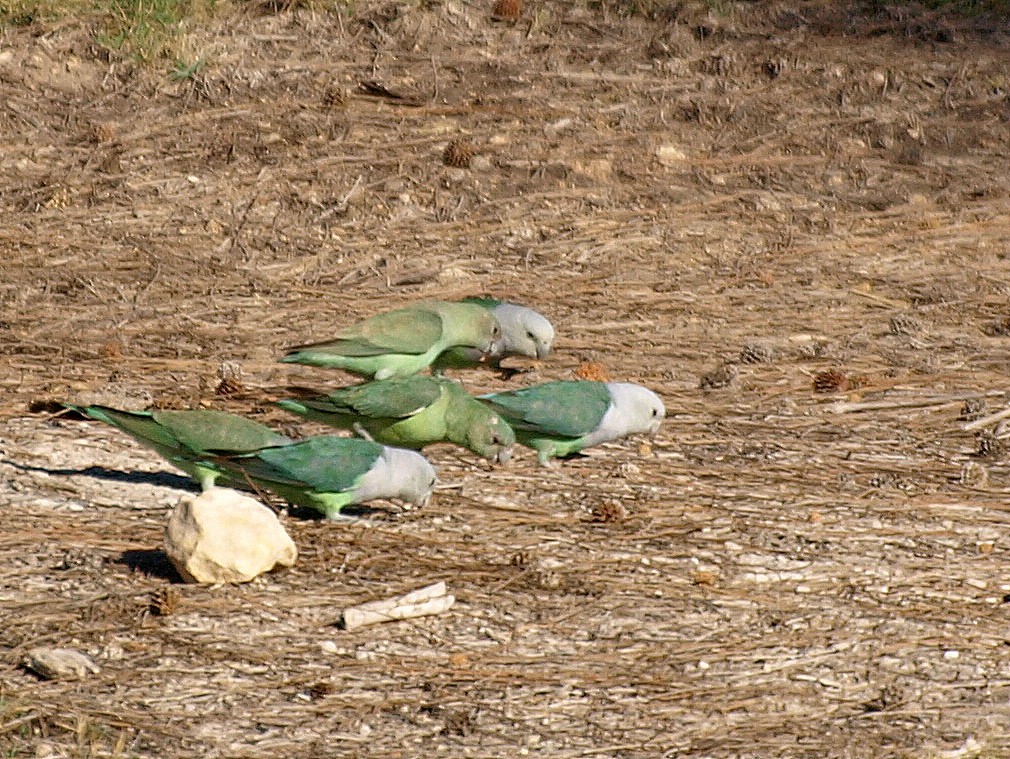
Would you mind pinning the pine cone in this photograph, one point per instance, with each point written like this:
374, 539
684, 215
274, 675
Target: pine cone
458, 153
831, 381
507, 10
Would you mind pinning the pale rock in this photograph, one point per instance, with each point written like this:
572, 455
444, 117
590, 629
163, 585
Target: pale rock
59, 663
44, 750
670, 155
599, 169
481, 164
224, 536
556, 127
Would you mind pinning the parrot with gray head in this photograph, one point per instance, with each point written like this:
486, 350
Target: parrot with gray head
404, 341
524, 332
327, 473
558, 419
412, 412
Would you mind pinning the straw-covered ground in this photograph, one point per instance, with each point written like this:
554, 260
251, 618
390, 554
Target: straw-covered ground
789, 219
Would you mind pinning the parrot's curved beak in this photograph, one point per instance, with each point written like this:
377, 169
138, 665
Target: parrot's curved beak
494, 348
543, 350
503, 455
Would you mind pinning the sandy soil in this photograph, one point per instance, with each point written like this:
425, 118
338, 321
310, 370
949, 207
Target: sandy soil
789, 219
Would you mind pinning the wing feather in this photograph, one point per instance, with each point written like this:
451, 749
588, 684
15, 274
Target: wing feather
411, 331
327, 463
563, 409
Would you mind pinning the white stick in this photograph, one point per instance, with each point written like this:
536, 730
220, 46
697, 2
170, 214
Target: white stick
844, 407
985, 421
431, 599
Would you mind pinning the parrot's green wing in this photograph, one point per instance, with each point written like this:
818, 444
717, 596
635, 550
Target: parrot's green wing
395, 398
187, 437
217, 431
196, 431
487, 303
137, 424
327, 464
458, 358
564, 408
406, 331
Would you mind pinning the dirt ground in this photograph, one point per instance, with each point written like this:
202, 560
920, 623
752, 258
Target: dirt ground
789, 219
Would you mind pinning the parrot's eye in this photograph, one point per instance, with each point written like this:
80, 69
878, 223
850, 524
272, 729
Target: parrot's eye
655, 412
531, 336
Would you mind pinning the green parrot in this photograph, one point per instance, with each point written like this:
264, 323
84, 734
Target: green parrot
187, 438
327, 473
404, 341
558, 419
412, 412
524, 332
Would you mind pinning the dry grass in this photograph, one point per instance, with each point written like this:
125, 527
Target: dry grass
786, 570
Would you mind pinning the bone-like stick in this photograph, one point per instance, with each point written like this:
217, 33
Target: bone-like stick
431, 599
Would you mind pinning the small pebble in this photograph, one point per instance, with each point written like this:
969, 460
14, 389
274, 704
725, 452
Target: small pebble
59, 663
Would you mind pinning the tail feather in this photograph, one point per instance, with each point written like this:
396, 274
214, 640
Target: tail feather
139, 425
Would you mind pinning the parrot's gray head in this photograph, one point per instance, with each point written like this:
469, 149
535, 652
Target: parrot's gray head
524, 332
637, 408
409, 475
490, 437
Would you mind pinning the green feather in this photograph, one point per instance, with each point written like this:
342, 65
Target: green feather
401, 342
408, 331
392, 398
462, 358
465, 358
325, 464
412, 412
185, 438
487, 303
563, 409
209, 430
324, 473
137, 424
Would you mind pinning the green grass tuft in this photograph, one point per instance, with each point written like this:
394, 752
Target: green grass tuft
150, 29
182, 71
28, 12
145, 30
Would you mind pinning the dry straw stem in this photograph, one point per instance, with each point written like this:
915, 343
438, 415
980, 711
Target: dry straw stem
422, 602
985, 421
845, 407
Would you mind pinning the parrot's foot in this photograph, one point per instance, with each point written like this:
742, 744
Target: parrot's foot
352, 514
545, 460
362, 432
507, 373
357, 519
350, 519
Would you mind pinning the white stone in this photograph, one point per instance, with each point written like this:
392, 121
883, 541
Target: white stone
224, 536
670, 155
59, 663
